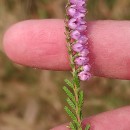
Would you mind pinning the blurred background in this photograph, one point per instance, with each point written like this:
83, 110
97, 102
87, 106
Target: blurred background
31, 99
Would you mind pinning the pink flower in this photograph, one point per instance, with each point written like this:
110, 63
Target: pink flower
82, 21
79, 15
86, 68
84, 52
78, 2
83, 39
80, 61
78, 27
81, 28
77, 47
71, 11
72, 23
84, 75
75, 34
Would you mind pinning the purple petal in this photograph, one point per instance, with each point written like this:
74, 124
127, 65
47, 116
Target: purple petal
81, 61
73, 1
81, 21
73, 6
75, 35
83, 39
72, 23
81, 28
84, 52
79, 15
84, 75
72, 11
77, 2
77, 47
80, 3
86, 68
82, 9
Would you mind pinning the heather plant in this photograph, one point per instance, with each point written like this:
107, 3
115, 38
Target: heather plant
104, 93
79, 61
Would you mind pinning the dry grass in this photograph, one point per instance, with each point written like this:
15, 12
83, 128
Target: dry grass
31, 99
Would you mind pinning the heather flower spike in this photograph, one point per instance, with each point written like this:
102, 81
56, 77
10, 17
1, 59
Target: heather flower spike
76, 11
77, 44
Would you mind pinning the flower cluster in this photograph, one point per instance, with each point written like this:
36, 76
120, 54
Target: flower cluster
77, 25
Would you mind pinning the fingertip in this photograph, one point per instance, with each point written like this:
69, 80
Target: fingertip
37, 43
14, 41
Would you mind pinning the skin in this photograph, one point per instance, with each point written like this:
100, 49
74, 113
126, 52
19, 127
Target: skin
41, 44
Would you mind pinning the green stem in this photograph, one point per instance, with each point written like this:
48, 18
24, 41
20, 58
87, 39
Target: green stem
76, 88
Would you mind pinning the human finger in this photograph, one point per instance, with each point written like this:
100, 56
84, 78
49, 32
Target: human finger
41, 44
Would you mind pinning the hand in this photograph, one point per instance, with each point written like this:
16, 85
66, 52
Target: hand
41, 44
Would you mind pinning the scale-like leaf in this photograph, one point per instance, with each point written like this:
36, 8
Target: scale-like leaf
69, 93
72, 126
81, 98
71, 114
80, 104
69, 83
70, 102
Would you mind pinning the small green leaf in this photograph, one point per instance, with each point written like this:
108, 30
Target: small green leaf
69, 83
80, 104
70, 102
87, 127
72, 126
69, 93
81, 98
71, 114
